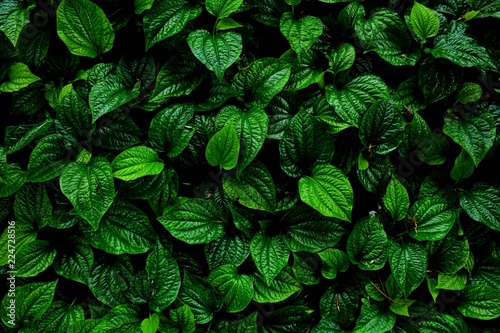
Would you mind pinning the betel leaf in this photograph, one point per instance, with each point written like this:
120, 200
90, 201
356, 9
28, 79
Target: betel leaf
408, 262
374, 319
216, 52
89, 188
476, 134
34, 258
463, 167
437, 79
300, 33
222, 8
332, 262
282, 287
382, 127
142, 5
194, 221
396, 199
482, 203
59, 317
48, 159
367, 244
289, 318
269, 254
151, 324
75, 263
261, 80
13, 179
166, 19
479, 301
200, 296
254, 188
135, 163
251, 127
450, 254
342, 58
14, 24
223, 148
305, 71
183, 317
227, 249
470, 92
32, 205
437, 323
20, 77
168, 131
328, 191
165, 277
455, 281
305, 143
227, 23
424, 21
430, 219
237, 289
84, 28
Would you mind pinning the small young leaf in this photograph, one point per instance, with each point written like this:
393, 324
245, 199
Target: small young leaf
396, 199
301, 33
367, 244
424, 21
223, 148
135, 163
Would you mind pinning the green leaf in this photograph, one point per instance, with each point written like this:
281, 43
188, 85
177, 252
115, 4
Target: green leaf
60, 317
200, 296
261, 80
382, 127
165, 278
459, 48
269, 254
396, 199
14, 178
305, 143
353, 99
408, 262
342, 58
227, 249
135, 163
168, 131
367, 244
437, 79
90, 188
424, 21
469, 93
223, 148
480, 302
482, 204
166, 19
216, 52
437, 323
84, 28
48, 159
335, 298
20, 77
475, 134
75, 263
431, 219
300, 33
14, 24
236, 288
194, 221
374, 319
222, 8
227, 23
254, 188
332, 262
151, 324
123, 229
141, 6
34, 258
450, 254
455, 281
32, 301
463, 167
328, 191
32, 205
184, 318
281, 288
251, 127
109, 94
308, 230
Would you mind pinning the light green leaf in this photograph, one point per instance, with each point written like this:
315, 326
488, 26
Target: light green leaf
167, 18
463, 167
367, 244
84, 28
14, 24
141, 6
476, 134
151, 324
301, 33
342, 58
227, 23
183, 317
216, 52
194, 221
431, 219
480, 302
90, 188
408, 262
269, 254
332, 262
482, 203
223, 148
374, 319
328, 191
254, 188
222, 8
108, 95
165, 278
236, 288
455, 281
135, 163
424, 21
20, 77
470, 92
396, 199
282, 287
34, 258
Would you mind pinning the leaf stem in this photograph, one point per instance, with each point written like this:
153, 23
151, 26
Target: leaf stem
384, 294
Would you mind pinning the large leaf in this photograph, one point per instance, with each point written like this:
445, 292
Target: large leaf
424, 21
367, 244
476, 134
48, 159
165, 278
167, 18
14, 178
479, 301
236, 288
59, 317
342, 58
222, 8
450, 254
75, 263
374, 319
84, 28
228, 249
216, 52
408, 262
20, 77
396, 199
328, 191
437, 79
300, 33
32, 205
269, 254
482, 203
282, 287
194, 221
200, 296
14, 23
34, 258
135, 163
430, 219
223, 148
90, 188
